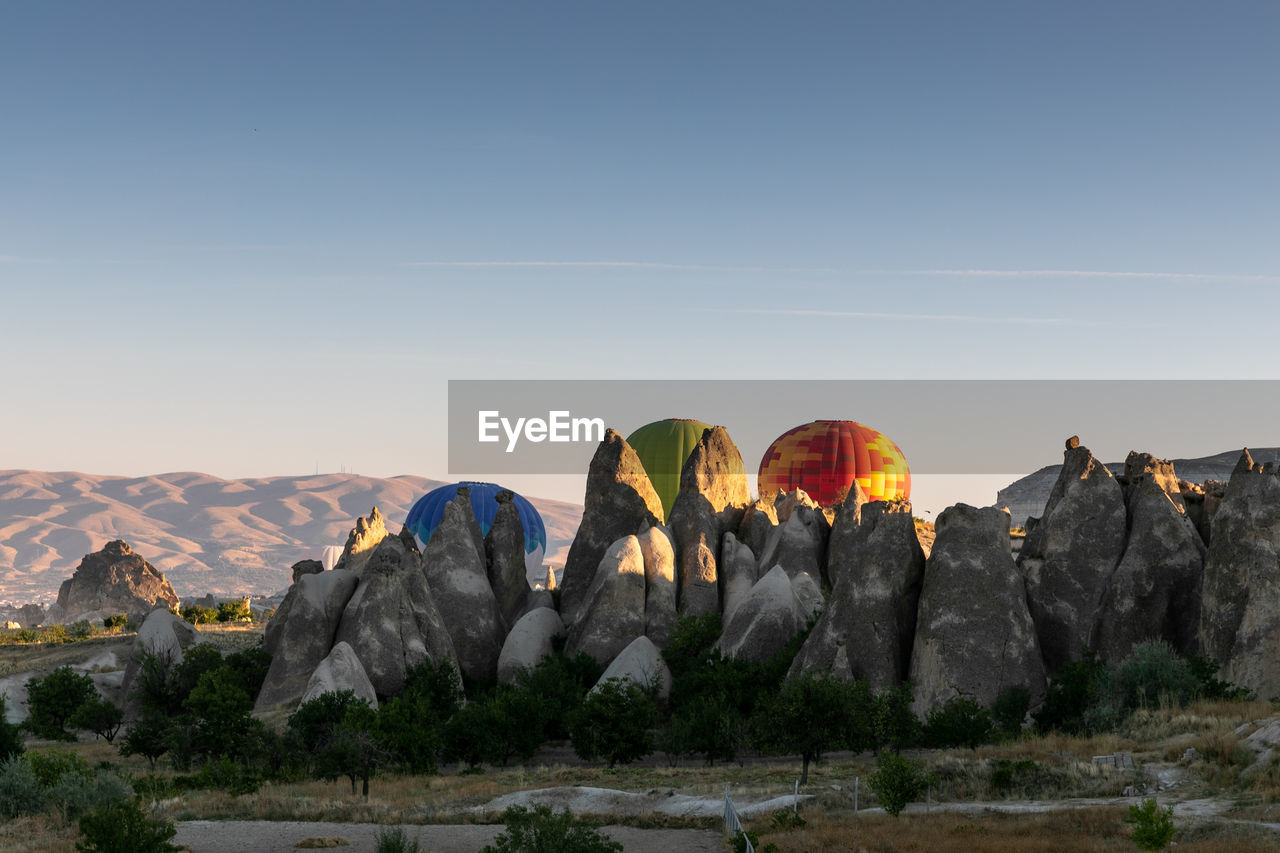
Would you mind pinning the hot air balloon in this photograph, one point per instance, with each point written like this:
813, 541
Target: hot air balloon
663, 448
825, 458
425, 516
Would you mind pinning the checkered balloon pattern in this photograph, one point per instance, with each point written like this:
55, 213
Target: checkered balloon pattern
825, 458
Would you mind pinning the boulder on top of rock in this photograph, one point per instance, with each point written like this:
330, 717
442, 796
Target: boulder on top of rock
641, 664
1070, 553
340, 670
765, 621
713, 497
1155, 591
660, 583
1240, 612
738, 573
459, 583
504, 554
113, 580
974, 635
612, 615
868, 627
531, 639
301, 634
391, 621
304, 567
619, 501
361, 541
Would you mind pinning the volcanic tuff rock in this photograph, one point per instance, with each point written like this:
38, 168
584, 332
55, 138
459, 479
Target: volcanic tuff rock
361, 541
340, 670
869, 625
641, 664
660, 583
798, 544
166, 636
738, 573
1155, 591
302, 567
765, 621
301, 633
459, 583
758, 521
1069, 555
391, 621
619, 501
113, 580
530, 640
1240, 614
504, 556
612, 614
974, 635
844, 536
713, 497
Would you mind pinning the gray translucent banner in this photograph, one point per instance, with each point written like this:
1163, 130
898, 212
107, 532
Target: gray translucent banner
942, 426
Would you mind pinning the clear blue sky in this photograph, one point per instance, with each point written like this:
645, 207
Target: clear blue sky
249, 238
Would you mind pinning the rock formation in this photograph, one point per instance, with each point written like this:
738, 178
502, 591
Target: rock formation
758, 521
531, 639
660, 583
1155, 591
974, 634
459, 582
301, 634
391, 622
612, 613
504, 556
166, 636
361, 541
713, 497
340, 670
619, 501
641, 664
1240, 613
799, 542
738, 573
765, 621
113, 580
300, 568
1069, 555
869, 625
845, 536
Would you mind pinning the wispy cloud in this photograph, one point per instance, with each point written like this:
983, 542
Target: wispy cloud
640, 265
882, 315
1047, 273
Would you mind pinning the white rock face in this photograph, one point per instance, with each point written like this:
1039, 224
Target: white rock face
612, 613
340, 670
766, 619
528, 643
660, 583
640, 663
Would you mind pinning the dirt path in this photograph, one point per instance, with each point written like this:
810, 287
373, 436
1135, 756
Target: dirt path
216, 836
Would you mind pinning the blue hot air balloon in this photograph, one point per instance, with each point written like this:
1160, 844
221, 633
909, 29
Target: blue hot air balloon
424, 518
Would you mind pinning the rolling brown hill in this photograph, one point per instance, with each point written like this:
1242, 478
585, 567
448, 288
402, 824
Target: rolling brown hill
204, 533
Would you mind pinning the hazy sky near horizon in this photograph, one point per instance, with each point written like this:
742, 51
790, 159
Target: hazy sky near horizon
254, 239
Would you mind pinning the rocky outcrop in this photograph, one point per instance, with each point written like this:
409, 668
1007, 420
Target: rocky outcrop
758, 521
1069, 555
113, 580
713, 497
868, 627
641, 664
361, 541
459, 583
765, 621
974, 634
798, 544
391, 622
504, 556
612, 614
738, 573
659, 583
340, 670
301, 633
1240, 613
164, 635
1155, 591
304, 567
619, 501
531, 639
845, 537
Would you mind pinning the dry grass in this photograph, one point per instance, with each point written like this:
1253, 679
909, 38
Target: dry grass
44, 832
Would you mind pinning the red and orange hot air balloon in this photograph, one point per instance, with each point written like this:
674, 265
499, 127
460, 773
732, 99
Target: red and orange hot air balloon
825, 458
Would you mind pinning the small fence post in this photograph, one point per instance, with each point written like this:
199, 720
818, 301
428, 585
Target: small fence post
857, 781
795, 802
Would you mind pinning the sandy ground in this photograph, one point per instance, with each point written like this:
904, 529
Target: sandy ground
208, 836
584, 800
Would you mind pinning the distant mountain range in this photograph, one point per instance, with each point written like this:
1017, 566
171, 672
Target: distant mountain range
204, 533
1028, 496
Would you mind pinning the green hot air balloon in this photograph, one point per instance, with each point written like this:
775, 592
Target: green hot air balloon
663, 448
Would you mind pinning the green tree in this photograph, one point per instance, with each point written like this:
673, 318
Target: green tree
896, 725
897, 781
494, 729
221, 711
560, 683
710, 726
1009, 710
197, 615
53, 700
961, 721
544, 831
352, 748
1080, 700
1153, 827
123, 827
234, 611
412, 734
99, 716
810, 715
149, 737
314, 720
614, 722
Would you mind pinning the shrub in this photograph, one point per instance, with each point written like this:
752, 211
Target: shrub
148, 737
411, 733
314, 721
226, 774
235, 611
895, 725
54, 699
11, 742
1205, 672
20, 791
197, 615
436, 683
1009, 711
250, 666
99, 716
220, 709
1080, 700
77, 794
614, 723
897, 782
49, 767
785, 819
543, 831
122, 827
1153, 827
1004, 772
116, 621
396, 841
959, 722
560, 683
1153, 673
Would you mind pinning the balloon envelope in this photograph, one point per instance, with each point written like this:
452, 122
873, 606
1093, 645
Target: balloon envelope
663, 448
825, 458
424, 518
